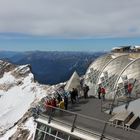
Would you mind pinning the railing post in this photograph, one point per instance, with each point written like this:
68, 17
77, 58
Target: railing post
50, 114
73, 124
101, 105
102, 135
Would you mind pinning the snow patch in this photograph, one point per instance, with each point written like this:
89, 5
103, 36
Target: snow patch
7, 78
9, 133
31, 126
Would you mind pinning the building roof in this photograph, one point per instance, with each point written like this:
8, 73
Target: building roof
137, 47
120, 47
74, 82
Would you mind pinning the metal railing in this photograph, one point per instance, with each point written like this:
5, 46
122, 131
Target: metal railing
88, 125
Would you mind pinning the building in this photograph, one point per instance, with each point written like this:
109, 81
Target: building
91, 119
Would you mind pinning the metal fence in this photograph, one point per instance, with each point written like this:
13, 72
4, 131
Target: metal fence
88, 125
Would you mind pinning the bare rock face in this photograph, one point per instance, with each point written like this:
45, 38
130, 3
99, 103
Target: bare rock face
5, 67
18, 72
22, 93
21, 71
21, 134
6, 87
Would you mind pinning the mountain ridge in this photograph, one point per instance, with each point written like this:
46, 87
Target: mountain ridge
18, 90
54, 67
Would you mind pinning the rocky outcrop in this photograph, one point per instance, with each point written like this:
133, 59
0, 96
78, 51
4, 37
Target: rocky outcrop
6, 87
21, 134
17, 82
5, 67
17, 71
21, 71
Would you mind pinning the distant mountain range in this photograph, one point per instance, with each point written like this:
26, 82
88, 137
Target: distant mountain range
52, 67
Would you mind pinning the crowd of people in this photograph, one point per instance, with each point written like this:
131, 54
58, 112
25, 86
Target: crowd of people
59, 100
62, 98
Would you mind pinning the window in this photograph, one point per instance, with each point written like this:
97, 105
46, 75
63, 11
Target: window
39, 135
62, 135
45, 132
41, 126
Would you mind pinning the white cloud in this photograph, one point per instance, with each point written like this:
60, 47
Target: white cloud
71, 18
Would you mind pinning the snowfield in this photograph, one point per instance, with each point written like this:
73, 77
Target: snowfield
17, 99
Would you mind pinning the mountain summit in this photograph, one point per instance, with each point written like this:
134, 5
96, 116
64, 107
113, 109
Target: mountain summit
18, 93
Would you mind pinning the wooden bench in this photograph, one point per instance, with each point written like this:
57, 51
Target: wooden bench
121, 118
113, 119
131, 121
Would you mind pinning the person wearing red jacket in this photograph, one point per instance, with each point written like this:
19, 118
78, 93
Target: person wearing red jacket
47, 105
103, 93
53, 102
129, 89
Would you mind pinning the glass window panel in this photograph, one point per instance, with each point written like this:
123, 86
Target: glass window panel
53, 131
41, 126
62, 135
48, 137
72, 138
58, 139
39, 135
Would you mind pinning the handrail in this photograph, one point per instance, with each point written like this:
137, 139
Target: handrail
78, 114
86, 117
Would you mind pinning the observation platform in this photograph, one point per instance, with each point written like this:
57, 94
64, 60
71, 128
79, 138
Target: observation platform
87, 118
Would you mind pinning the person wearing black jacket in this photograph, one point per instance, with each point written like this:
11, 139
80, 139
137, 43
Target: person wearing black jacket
66, 102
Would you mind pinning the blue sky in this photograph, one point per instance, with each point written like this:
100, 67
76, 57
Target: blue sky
68, 25
44, 44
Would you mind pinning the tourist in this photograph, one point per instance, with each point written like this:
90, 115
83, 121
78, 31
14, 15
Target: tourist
61, 105
72, 96
126, 88
53, 102
99, 91
129, 89
86, 89
66, 102
47, 105
103, 93
76, 95
59, 98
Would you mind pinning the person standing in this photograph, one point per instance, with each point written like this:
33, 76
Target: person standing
53, 102
66, 102
86, 89
76, 95
126, 88
59, 98
129, 89
99, 91
61, 105
48, 106
72, 96
103, 93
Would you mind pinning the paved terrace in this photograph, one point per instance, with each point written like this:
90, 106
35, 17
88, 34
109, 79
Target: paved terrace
93, 120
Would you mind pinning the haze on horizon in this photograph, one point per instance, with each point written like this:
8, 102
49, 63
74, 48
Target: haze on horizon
68, 25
